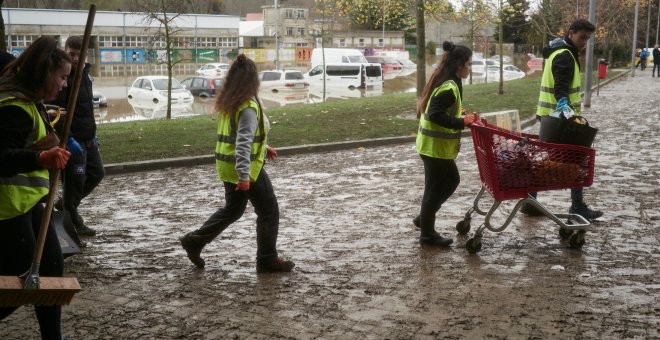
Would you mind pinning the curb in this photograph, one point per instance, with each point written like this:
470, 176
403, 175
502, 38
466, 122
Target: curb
129, 167
123, 168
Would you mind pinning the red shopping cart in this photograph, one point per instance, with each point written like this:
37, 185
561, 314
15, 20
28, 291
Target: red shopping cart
511, 165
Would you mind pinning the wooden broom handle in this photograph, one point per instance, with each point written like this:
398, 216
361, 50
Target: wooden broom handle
71, 106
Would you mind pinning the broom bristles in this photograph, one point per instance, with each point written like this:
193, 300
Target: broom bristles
52, 291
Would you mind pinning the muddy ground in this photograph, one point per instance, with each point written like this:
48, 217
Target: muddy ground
360, 271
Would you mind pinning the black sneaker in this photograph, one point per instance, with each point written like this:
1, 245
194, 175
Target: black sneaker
530, 210
84, 230
277, 266
584, 211
435, 240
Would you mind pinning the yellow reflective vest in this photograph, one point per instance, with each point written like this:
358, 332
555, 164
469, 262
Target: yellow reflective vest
547, 101
225, 148
434, 140
18, 194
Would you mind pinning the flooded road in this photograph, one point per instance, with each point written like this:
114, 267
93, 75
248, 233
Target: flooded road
360, 270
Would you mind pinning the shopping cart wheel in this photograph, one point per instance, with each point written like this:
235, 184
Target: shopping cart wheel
473, 245
463, 227
577, 240
565, 233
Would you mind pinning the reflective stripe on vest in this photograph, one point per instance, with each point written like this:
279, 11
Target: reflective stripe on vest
225, 150
547, 101
19, 193
434, 140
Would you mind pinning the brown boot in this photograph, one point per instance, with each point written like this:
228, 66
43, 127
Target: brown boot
193, 245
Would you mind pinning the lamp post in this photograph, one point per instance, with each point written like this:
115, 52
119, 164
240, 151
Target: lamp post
383, 25
277, 33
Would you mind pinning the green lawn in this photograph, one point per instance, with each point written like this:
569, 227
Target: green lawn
333, 121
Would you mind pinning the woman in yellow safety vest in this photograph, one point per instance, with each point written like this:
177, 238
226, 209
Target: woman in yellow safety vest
28, 148
240, 151
441, 120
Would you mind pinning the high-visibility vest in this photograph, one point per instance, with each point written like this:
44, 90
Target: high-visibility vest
547, 102
19, 193
225, 148
434, 140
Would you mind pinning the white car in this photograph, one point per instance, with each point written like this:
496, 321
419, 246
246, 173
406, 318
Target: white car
283, 81
99, 100
506, 59
154, 89
509, 72
218, 70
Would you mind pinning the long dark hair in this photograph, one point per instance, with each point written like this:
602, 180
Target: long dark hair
241, 85
454, 57
28, 74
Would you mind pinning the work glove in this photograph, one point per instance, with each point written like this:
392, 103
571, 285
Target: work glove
55, 158
563, 109
243, 186
74, 147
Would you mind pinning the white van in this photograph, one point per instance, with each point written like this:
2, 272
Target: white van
351, 76
338, 56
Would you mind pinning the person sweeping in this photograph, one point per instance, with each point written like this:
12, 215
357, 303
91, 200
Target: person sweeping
241, 151
28, 149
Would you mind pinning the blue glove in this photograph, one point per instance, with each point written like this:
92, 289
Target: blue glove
561, 103
74, 147
563, 108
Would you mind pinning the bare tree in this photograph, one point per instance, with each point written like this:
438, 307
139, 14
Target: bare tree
165, 13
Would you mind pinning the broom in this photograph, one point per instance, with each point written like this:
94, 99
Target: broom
30, 288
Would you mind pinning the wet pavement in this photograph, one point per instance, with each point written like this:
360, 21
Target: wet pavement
360, 271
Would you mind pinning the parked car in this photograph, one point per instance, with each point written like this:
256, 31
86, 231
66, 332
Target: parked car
506, 59
283, 81
509, 72
99, 100
351, 76
202, 86
154, 89
388, 64
214, 70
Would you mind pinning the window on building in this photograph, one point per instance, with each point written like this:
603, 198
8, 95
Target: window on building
289, 13
342, 42
137, 41
111, 41
22, 40
227, 41
301, 14
361, 42
301, 31
301, 44
289, 31
381, 42
207, 42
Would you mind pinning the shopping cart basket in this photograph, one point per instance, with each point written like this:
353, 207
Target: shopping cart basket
511, 165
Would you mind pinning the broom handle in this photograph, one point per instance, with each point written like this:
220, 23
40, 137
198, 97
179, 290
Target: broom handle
71, 106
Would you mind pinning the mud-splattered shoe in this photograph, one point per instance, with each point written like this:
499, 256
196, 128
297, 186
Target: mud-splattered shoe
84, 230
417, 221
193, 249
584, 211
530, 210
277, 266
435, 239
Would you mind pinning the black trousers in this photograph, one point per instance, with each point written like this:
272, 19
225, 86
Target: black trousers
656, 65
17, 242
82, 174
263, 199
441, 178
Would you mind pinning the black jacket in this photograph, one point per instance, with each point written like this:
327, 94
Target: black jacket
656, 55
83, 126
563, 68
437, 112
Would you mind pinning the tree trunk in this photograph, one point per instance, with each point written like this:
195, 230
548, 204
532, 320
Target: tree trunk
421, 49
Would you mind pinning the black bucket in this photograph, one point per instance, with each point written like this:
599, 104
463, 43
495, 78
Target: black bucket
567, 131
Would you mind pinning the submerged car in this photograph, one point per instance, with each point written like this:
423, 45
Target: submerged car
99, 100
202, 86
214, 70
154, 89
283, 81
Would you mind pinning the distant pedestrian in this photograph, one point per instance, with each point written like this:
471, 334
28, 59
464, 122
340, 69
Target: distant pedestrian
441, 120
656, 60
643, 56
562, 80
241, 150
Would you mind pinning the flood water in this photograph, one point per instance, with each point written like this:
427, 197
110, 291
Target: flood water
119, 109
